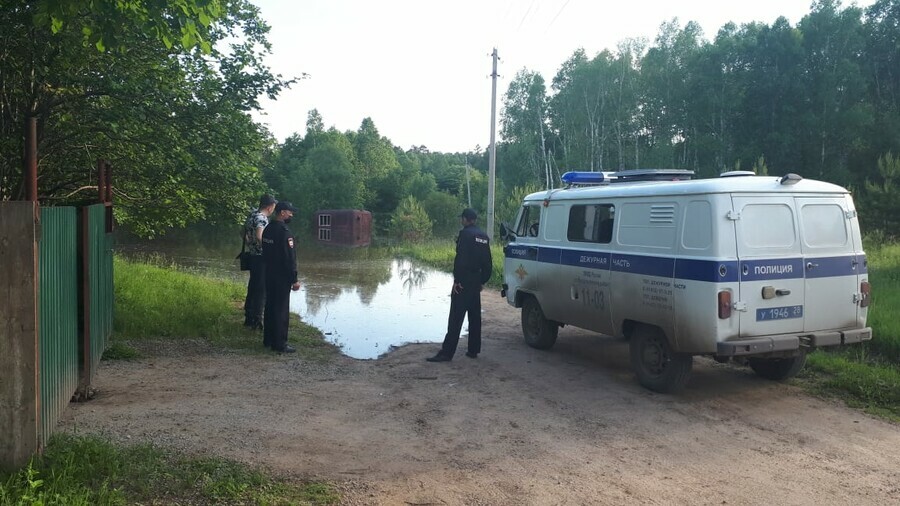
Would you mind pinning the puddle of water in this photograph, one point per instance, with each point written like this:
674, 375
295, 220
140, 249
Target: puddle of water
368, 307
363, 300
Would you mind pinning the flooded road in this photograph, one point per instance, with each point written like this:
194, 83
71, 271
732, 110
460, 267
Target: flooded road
364, 300
366, 307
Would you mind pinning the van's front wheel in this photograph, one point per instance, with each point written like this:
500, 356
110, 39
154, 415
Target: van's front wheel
656, 365
778, 369
539, 332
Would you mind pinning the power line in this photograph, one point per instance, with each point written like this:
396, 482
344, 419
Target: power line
526, 14
557, 15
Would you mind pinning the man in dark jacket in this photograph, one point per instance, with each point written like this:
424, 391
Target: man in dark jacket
471, 269
256, 287
280, 256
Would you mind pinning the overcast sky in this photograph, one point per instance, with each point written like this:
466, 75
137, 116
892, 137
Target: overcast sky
421, 69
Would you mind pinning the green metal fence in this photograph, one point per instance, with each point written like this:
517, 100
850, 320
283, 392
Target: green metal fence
100, 286
57, 313
75, 304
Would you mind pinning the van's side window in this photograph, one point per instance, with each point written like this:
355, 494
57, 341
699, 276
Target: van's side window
529, 221
591, 223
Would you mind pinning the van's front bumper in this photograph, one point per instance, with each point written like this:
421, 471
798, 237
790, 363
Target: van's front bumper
790, 342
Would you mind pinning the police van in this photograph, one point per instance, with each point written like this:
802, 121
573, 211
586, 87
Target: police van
757, 269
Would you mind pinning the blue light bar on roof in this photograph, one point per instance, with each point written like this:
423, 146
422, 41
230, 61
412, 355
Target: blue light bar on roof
575, 178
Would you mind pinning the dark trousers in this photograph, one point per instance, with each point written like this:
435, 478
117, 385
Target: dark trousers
278, 304
256, 291
467, 301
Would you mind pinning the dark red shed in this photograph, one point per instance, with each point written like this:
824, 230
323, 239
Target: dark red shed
343, 227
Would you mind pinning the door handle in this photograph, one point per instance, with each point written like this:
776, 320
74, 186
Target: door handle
810, 265
770, 292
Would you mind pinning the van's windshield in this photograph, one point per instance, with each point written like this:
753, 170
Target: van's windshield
529, 221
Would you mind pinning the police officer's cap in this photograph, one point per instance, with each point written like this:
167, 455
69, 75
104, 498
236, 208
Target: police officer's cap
285, 206
469, 214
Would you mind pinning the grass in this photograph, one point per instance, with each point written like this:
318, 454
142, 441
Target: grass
85, 471
862, 381
156, 301
884, 274
440, 254
867, 376
118, 350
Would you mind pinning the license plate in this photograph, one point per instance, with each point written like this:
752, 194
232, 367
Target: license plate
779, 313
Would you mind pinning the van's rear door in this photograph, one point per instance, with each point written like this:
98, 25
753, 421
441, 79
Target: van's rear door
770, 265
830, 261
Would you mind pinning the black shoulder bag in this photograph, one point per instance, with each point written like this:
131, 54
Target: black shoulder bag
244, 256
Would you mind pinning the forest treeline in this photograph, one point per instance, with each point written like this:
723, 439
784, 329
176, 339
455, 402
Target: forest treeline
169, 104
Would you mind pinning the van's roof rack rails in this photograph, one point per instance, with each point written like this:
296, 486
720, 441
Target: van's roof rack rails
632, 176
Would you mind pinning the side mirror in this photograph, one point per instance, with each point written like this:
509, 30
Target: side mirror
505, 233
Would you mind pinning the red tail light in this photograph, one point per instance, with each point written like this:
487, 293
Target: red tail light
724, 305
866, 290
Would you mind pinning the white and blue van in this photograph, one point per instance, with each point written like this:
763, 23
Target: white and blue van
759, 269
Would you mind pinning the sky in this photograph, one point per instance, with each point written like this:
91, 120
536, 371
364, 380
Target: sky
421, 69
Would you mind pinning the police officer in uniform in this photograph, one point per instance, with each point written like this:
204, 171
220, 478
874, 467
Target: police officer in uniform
280, 256
471, 269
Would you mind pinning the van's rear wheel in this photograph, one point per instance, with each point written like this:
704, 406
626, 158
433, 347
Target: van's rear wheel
539, 332
778, 369
656, 365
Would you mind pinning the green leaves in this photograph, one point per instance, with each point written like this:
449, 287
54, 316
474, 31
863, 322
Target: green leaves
174, 125
189, 22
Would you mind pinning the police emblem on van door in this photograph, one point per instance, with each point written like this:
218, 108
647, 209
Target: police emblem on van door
521, 272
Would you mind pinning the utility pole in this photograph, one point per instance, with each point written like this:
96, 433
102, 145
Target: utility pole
493, 152
468, 186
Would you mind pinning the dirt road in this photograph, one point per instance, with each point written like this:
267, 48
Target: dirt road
515, 426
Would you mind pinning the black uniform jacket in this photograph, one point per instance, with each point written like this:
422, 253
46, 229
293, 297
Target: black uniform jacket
279, 252
472, 266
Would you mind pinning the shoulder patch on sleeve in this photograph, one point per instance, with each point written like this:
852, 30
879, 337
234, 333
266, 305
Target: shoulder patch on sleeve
290, 242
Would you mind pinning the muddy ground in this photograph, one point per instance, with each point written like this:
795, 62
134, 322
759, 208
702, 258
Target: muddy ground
516, 426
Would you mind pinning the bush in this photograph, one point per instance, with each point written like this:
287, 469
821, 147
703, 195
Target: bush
410, 222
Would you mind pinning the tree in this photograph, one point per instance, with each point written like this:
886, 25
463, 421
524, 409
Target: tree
882, 195
443, 210
182, 24
375, 162
524, 122
319, 177
665, 73
835, 86
173, 122
410, 222
881, 63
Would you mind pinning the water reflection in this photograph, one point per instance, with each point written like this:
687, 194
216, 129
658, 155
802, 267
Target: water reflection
413, 277
364, 300
408, 304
